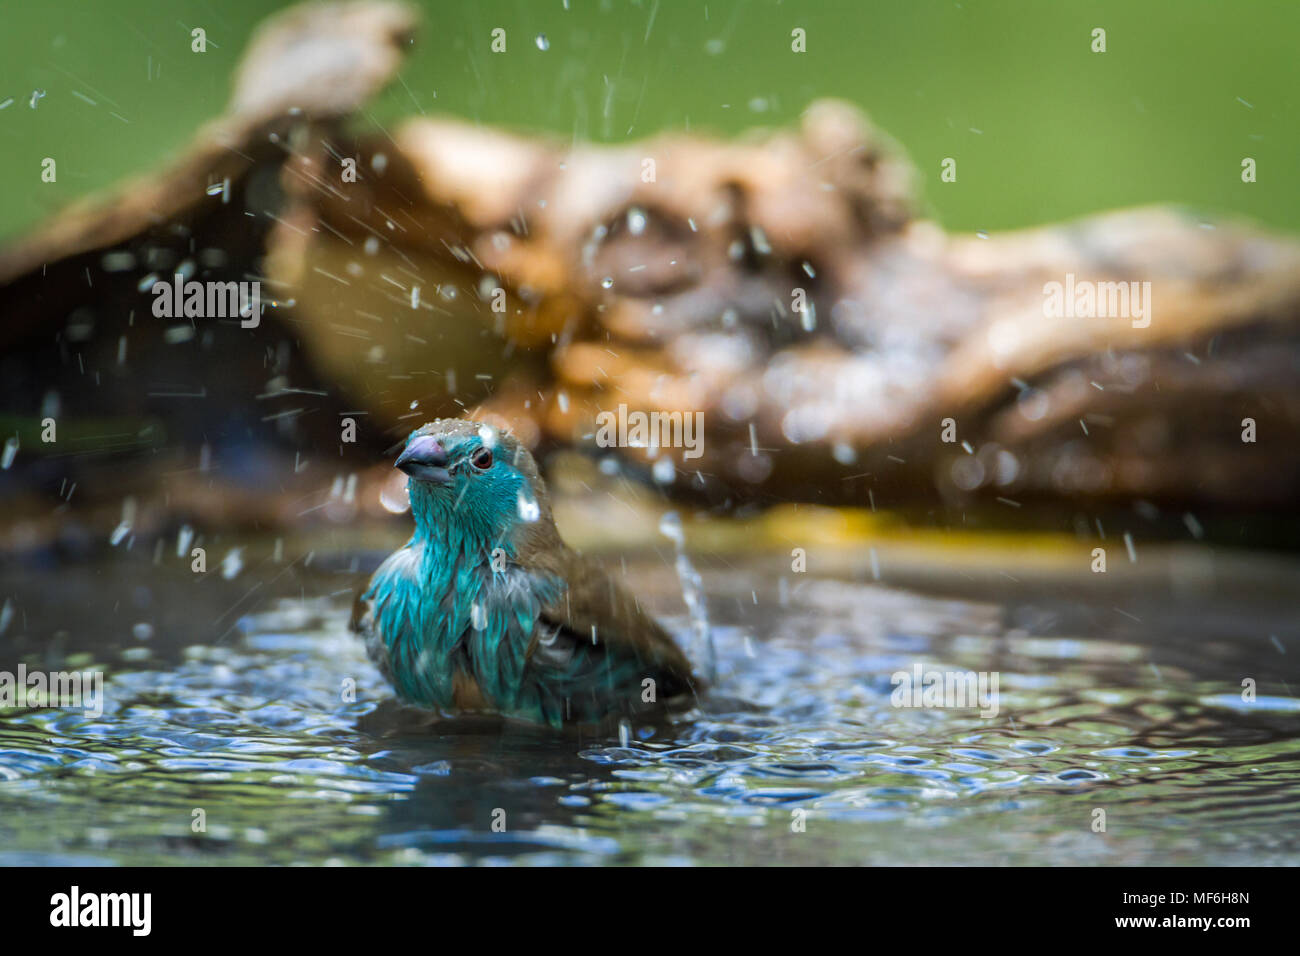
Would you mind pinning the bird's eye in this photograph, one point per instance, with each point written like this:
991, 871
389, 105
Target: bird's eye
482, 459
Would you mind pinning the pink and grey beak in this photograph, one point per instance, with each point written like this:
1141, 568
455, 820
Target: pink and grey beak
424, 459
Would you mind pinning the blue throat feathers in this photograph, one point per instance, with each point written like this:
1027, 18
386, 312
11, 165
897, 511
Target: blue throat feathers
454, 614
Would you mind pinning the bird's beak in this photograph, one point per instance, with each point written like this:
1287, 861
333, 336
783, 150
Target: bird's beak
425, 460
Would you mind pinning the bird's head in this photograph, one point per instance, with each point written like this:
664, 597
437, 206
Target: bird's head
476, 480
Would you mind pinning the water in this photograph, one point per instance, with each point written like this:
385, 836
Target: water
232, 702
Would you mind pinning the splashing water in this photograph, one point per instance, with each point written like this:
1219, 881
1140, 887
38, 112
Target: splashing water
703, 649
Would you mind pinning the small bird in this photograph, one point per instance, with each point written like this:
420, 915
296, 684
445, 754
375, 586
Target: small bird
486, 609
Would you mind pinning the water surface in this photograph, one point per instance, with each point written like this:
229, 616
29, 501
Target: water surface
227, 695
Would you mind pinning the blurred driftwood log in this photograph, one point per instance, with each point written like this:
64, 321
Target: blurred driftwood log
840, 349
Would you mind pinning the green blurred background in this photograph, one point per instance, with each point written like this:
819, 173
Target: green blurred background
1041, 127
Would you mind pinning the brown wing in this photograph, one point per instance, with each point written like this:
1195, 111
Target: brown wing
595, 603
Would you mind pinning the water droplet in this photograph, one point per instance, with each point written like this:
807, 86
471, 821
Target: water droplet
967, 473
529, 510
36, 95
670, 526
117, 261
1033, 404
543, 44
232, 563
394, 496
